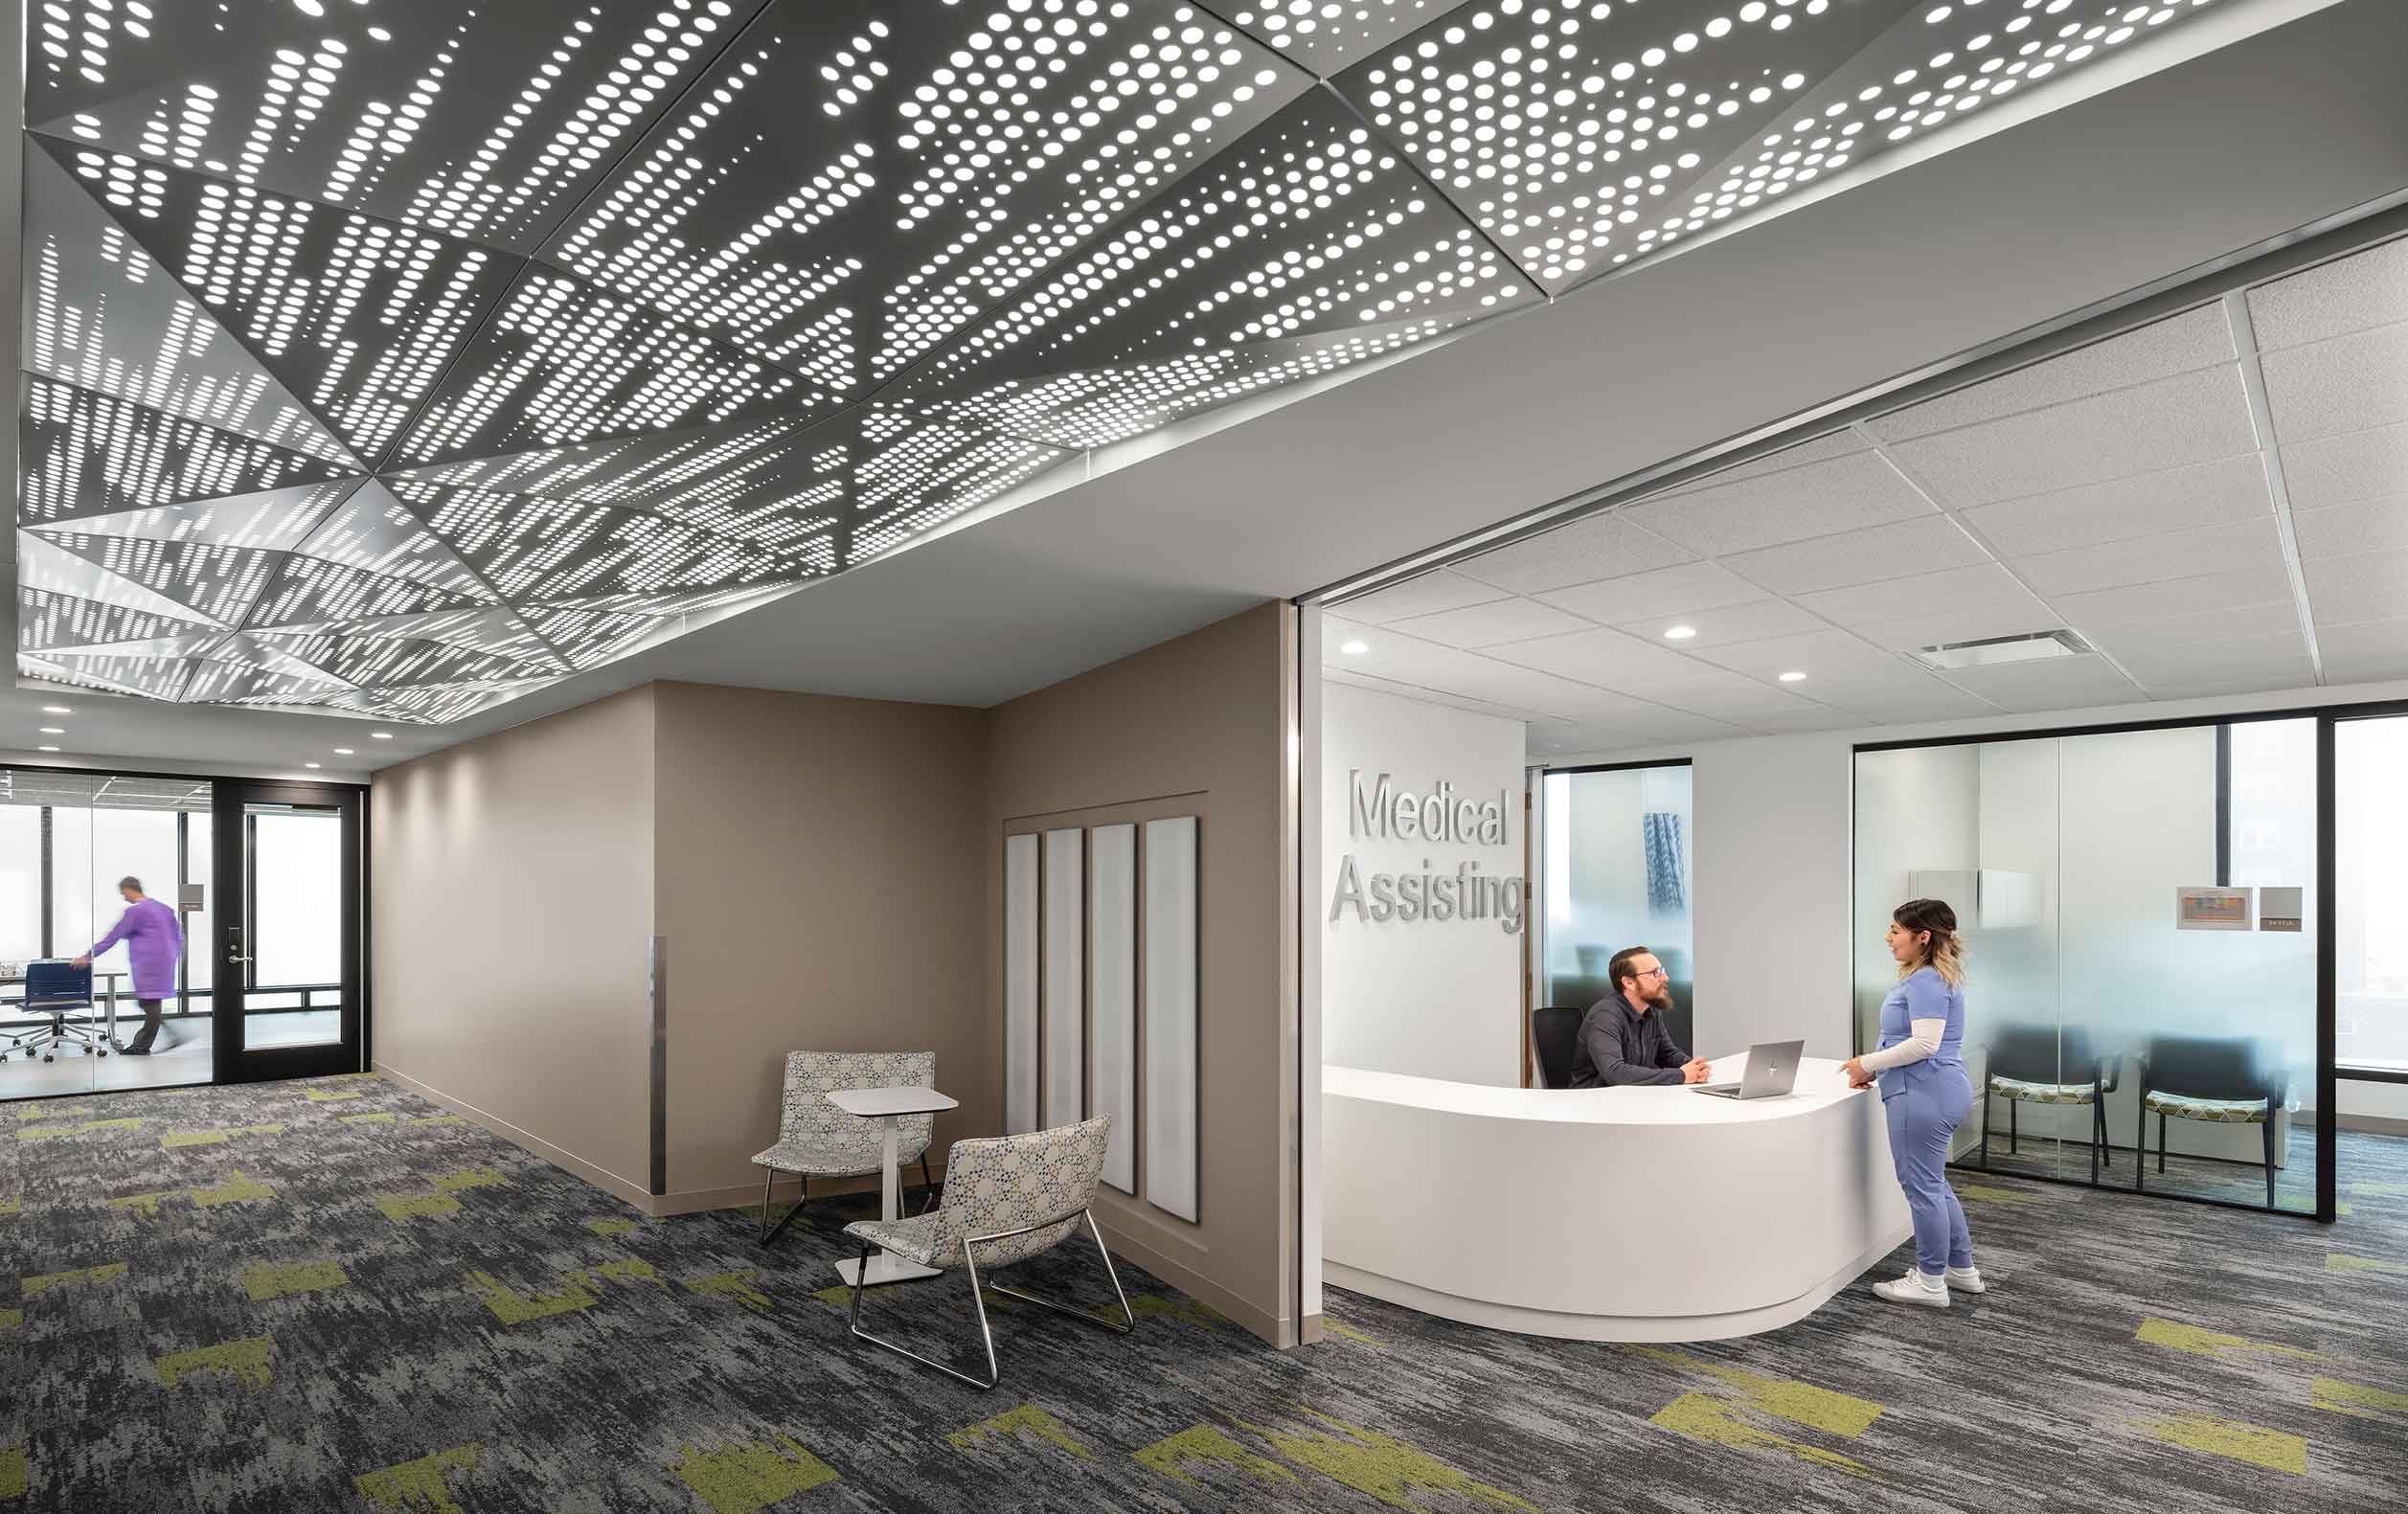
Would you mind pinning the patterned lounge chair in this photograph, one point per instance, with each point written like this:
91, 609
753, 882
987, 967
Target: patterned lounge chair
2222, 1081
2048, 1065
1007, 1199
817, 1139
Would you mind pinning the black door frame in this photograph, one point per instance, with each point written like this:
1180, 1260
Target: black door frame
230, 860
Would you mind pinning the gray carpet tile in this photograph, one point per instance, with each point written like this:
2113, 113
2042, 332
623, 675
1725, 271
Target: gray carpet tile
329, 1296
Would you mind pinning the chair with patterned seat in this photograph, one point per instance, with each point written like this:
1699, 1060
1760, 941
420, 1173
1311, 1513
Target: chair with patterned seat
2220, 1081
2048, 1065
1007, 1199
817, 1139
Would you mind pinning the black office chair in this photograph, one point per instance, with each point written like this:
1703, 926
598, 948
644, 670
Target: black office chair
2028, 1064
1555, 1034
2206, 1078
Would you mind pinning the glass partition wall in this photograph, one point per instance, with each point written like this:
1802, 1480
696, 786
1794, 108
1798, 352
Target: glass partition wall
2139, 912
1614, 872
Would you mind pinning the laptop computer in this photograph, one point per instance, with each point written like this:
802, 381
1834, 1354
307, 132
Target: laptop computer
56, 985
1772, 1071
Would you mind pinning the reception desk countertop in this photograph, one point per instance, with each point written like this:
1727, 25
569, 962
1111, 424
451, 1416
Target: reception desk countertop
1604, 1215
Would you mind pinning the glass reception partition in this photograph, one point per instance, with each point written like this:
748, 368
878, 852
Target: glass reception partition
1613, 866
2140, 909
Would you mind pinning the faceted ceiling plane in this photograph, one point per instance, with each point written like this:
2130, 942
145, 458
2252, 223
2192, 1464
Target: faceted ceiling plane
393, 357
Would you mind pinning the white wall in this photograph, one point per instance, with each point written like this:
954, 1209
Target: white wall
1430, 998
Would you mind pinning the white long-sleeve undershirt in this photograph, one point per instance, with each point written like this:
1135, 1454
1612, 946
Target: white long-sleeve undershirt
1921, 1042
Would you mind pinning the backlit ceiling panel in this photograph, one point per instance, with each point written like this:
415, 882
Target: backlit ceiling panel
393, 357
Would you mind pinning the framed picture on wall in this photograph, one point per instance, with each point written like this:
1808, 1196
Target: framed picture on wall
2200, 908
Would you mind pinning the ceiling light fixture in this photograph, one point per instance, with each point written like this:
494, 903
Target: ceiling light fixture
1355, 648
381, 735
56, 710
312, 764
45, 748
53, 730
1680, 633
345, 751
1793, 678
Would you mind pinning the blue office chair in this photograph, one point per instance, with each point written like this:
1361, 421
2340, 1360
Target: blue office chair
59, 989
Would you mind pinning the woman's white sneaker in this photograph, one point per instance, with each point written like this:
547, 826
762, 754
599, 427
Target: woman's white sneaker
1965, 1279
1916, 1288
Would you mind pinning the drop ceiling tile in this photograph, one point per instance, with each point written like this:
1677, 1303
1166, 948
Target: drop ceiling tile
2244, 682
2141, 638
2371, 586
1818, 500
1392, 654
1988, 585
1666, 591
1529, 688
2283, 651
1807, 717
2351, 383
1873, 553
1606, 659
2368, 526
2348, 294
2192, 418
1824, 448
1972, 622
2365, 653
1437, 696
2154, 601
1926, 698
2178, 343
1602, 546
2342, 470
1487, 625
1429, 594
1823, 655
2150, 559
2063, 683
1735, 623
2216, 493
1656, 724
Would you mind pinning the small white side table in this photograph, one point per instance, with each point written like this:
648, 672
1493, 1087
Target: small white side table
886, 1105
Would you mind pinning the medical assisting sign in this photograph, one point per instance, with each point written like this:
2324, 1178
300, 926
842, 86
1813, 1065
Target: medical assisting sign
1381, 811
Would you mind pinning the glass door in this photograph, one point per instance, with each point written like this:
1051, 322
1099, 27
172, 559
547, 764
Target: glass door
285, 916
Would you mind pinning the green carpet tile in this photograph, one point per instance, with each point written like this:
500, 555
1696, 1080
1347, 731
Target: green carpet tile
330, 1297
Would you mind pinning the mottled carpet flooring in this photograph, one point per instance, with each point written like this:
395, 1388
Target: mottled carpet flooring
329, 1296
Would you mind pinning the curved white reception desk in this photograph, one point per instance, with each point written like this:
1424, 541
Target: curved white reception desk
1604, 1215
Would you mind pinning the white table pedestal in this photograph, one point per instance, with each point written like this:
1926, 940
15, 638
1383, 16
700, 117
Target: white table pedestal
886, 1267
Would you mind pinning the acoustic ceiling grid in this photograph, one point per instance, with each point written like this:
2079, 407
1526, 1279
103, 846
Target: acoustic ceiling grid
391, 359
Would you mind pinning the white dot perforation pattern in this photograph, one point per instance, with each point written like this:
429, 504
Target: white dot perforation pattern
1936, 64
483, 120
1566, 128
1325, 35
1307, 248
388, 358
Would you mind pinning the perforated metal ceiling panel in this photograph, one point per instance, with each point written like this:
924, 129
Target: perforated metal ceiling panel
392, 358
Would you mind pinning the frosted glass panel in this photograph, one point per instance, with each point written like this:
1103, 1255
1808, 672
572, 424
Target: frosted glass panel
1615, 859
1170, 1015
1020, 983
1065, 1041
296, 925
2098, 1026
2371, 882
1112, 995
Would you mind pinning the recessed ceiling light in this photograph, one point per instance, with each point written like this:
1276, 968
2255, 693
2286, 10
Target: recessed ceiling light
53, 730
1355, 648
343, 752
1793, 678
310, 765
1680, 633
45, 748
56, 710
381, 735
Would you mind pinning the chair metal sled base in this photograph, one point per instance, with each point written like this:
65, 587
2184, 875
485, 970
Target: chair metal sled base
1127, 1324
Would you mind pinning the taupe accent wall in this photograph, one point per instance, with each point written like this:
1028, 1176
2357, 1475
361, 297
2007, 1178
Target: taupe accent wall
821, 883
827, 873
1197, 726
512, 896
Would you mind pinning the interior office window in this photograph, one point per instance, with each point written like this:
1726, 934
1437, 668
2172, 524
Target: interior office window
199, 957
2069, 861
2371, 889
124, 842
21, 881
296, 899
1616, 872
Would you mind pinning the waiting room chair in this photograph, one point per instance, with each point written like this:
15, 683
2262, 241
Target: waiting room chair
1007, 1198
2206, 1078
817, 1139
2048, 1065
1555, 1034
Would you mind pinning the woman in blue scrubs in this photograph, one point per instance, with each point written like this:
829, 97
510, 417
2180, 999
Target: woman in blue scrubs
1924, 1095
